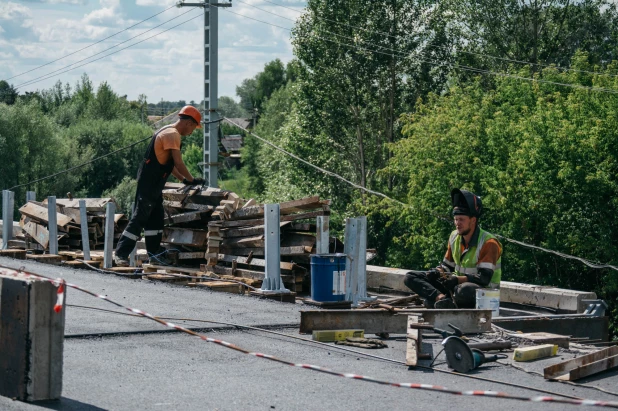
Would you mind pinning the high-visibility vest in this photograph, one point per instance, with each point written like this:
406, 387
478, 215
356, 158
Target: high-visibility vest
468, 264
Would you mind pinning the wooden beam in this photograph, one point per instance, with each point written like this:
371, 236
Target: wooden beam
258, 262
259, 251
260, 221
185, 236
381, 321
92, 204
40, 213
37, 232
583, 366
255, 275
414, 343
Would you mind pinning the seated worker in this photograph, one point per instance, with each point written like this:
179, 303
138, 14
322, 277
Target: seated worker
472, 260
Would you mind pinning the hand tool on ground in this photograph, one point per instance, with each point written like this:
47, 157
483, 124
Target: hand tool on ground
492, 346
462, 358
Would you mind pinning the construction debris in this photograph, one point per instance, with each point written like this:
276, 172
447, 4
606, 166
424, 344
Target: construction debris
535, 352
583, 366
35, 225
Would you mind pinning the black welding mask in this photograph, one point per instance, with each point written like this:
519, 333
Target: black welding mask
466, 203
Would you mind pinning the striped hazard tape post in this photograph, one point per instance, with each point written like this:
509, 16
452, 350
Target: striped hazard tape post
61, 284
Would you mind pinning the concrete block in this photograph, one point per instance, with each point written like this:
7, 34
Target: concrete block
558, 298
386, 277
31, 340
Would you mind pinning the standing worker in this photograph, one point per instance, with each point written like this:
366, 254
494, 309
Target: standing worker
472, 260
162, 158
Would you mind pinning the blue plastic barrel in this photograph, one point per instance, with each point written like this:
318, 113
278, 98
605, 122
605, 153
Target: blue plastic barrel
328, 277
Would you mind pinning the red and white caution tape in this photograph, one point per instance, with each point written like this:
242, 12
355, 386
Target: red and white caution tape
60, 283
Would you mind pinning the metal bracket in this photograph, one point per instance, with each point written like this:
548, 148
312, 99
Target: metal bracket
596, 308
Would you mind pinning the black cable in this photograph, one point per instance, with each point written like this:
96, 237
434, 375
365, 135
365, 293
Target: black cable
93, 44
432, 62
338, 347
437, 46
53, 73
94, 159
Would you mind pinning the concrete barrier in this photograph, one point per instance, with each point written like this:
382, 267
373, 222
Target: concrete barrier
568, 301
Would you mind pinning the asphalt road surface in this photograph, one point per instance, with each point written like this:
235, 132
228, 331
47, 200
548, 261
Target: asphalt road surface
118, 362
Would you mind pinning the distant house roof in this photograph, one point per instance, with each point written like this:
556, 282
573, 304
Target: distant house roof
232, 143
243, 122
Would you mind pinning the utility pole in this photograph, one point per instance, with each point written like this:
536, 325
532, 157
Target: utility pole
211, 63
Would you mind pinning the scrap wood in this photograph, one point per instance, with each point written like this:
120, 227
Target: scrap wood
583, 366
40, 213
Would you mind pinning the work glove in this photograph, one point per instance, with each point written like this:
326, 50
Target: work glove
197, 181
450, 282
433, 274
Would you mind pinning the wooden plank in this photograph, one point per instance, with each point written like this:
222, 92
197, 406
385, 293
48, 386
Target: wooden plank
13, 253
45, 258
285, 207
40, 213
220, 286
188, 206
259, 251
298, 239
563, 370
185, 236
414, 343
260, 221
258, 262
182, 270
256, 275
191, 255
250, 231
187, 217
92, 204
257, 241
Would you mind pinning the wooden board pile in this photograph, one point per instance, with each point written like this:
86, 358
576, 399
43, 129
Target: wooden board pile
34, 223
228, 232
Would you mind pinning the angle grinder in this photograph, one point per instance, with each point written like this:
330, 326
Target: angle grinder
462, 358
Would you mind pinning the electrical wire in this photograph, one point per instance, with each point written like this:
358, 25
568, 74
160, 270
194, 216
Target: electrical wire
62, 69
93, 160
93, 44
341, 348
462, 67
436, 46
401, 203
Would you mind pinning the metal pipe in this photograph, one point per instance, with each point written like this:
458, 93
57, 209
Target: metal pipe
7, 217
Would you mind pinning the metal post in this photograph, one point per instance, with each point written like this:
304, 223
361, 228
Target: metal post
110, 210
83, 218
30, 196
8, 204
272, 250
322, 235
211, 63
52, 225
132, 255
356, 263
350, 250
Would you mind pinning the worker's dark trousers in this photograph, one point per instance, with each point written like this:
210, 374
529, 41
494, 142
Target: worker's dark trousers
148, 215
464, 294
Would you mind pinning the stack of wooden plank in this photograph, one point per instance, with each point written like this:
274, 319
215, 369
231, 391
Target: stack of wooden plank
228, 232
34, 223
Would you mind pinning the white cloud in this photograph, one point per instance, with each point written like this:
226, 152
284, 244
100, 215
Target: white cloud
102, 17
14, 11
155, 2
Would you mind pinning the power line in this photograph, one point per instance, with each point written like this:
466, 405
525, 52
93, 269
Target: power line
52, 73
377, 193
437, 46
462, 67
93, 44
91, 161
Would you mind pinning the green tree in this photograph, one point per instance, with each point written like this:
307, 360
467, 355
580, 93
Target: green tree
8, 94
229, 108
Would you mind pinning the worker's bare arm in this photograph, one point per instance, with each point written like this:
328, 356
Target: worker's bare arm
177, 174
180, 165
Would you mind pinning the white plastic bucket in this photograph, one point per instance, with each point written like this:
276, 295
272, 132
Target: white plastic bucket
488, 300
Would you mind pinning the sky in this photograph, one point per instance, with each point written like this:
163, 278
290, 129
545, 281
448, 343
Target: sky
168, 66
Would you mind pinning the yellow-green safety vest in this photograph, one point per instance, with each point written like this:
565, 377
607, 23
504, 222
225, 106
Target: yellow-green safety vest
469, 263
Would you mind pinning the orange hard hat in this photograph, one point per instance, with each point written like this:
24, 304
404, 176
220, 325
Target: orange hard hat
193, 113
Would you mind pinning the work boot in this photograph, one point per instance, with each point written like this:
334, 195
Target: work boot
161, 259
121, 261
445, 303
427, 303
